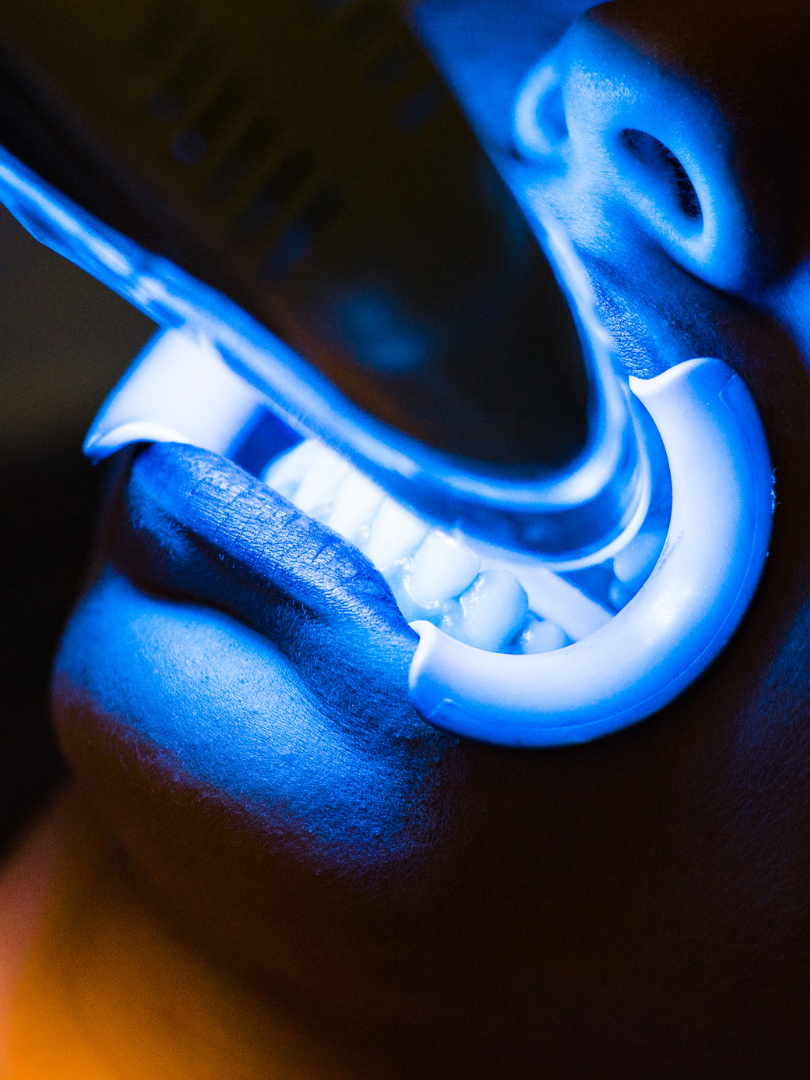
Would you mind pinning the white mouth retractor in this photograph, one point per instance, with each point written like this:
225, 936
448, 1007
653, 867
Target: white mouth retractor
722, 503
672, 629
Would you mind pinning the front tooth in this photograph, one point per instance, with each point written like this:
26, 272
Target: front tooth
318, 488
356, 502
490, 612
286, 472
540, 635
443, 567
399, 578
395, 534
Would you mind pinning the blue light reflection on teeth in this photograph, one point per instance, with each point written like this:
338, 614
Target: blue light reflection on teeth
433, 575
439, 576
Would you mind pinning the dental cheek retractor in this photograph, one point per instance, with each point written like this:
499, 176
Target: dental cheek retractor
634, 664
668, 634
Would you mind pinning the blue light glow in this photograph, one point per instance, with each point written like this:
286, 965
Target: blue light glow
570, 517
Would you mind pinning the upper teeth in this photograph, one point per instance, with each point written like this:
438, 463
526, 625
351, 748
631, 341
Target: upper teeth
438, 576
434, 575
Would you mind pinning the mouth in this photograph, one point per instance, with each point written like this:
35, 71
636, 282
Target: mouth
499, 657
491, 599
329, 570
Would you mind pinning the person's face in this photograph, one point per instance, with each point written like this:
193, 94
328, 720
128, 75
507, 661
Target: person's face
233, 687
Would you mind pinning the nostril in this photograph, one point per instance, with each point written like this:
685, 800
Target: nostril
658, 160
633, 156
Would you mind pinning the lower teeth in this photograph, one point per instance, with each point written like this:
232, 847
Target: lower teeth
438, 577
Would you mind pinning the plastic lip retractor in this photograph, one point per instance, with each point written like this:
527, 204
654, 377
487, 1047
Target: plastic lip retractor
699, 590
722, 500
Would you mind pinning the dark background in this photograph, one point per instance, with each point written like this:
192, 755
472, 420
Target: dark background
64, 341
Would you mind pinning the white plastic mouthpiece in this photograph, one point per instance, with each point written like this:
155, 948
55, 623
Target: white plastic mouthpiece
621, 667
672, 629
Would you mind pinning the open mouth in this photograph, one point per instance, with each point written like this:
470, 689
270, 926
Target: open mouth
498, 602
195, 528
492, 598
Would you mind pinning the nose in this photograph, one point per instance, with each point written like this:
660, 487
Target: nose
682, 125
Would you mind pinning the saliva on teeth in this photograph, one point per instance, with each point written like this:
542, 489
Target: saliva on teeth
434, 575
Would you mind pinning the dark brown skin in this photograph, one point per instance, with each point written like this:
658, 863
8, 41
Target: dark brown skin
636, 907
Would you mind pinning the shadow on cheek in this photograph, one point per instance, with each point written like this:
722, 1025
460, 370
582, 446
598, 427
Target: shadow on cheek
167, 697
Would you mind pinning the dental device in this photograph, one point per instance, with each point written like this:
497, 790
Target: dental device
311, 167
306, 201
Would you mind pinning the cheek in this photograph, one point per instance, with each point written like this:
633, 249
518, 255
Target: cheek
253, 814
211, 705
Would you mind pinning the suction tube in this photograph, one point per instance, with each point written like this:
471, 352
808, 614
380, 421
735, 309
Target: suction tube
668, 634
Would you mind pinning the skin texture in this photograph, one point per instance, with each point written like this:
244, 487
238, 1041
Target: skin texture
231, 690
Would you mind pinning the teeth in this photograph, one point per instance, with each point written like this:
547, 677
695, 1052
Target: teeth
316, 492
540, 635
443, 567
356, 502
490, 612
407, 603
619, 594
438, 577
633, 566
286, 472
395, 534
553, 599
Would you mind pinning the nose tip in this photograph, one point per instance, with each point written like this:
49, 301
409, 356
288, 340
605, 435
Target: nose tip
646, 153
